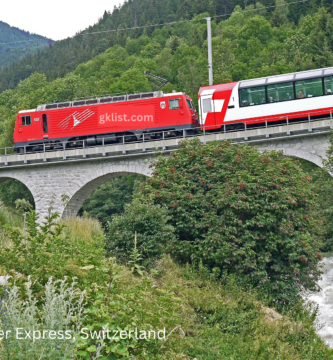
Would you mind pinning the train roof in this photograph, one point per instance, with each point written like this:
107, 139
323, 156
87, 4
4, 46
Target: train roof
276, 79
103, 100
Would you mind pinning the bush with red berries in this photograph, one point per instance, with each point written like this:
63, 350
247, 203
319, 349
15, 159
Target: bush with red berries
243, 211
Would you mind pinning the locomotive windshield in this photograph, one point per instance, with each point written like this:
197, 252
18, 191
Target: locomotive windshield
174, 104
190, 104
26, 120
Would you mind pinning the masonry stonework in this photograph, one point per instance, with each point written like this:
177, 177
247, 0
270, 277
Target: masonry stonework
311, 148
78, 179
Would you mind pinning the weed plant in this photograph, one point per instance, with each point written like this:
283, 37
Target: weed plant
52, 327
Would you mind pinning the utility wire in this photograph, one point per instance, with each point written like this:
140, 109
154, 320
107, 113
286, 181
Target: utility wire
169, 23
142, 27
186, 21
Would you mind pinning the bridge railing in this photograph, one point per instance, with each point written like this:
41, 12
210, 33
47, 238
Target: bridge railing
161, 140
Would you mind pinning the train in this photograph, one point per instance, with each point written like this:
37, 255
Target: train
133, 117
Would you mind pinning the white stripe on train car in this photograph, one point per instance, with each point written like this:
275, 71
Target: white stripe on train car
279, 108
218, 105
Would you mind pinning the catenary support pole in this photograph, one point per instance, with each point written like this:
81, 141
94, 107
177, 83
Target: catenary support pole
210, 52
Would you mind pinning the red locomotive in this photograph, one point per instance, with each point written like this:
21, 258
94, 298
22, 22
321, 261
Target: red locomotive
271, 98
107, 120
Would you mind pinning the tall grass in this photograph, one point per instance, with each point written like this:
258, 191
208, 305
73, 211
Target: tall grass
82, 230
8, 217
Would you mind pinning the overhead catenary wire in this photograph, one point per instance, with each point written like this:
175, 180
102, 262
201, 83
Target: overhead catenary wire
163, 24
191, 20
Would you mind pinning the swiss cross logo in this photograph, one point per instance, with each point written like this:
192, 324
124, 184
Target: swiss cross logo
75, 119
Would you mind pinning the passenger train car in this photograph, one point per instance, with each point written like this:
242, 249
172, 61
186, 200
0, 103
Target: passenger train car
271, 98
107, 120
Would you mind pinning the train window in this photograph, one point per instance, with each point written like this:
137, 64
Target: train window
309, 88
280, 92
189, 103
45, 123
252, 96
207, 105
328, 82
26, 120
174, 104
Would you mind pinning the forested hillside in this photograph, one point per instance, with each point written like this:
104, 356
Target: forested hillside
64, 56
16, 43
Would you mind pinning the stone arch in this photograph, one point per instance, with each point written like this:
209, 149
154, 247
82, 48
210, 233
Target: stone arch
300, 154
20, 179
78, 197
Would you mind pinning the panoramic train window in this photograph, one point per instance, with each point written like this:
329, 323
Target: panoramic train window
174, 104
280, 92
309, 88
328, 82
252, 96
26, 120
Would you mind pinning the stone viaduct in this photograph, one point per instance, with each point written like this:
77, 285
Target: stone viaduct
77, 173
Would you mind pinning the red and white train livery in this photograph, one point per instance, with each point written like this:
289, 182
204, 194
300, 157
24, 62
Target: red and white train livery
270, 98
273, 98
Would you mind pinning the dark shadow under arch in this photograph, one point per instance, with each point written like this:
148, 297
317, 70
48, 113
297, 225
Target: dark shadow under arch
12, 189
75, 203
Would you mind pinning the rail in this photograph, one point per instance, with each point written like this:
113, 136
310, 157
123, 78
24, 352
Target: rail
168, 140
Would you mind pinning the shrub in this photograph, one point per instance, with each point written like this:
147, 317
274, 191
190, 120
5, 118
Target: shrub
243, 211
49, 250
61, 312
150, 223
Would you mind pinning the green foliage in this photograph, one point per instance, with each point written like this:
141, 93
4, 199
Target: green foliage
322, 183
204, 319
135, 259
23, 205
235, 208
13, 190
111, 197
59, 318
149, 222
46, 251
